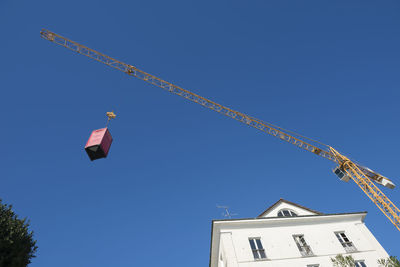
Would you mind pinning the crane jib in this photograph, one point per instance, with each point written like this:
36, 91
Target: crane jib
133, 71
362, 176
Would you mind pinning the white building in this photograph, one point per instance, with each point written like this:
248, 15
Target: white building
287, 234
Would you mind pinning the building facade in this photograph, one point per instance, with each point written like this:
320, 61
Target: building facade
288, 234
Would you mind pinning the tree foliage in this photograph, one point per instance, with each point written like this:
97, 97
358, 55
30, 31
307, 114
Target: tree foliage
348, 261
17, 246
343, 261
392, 261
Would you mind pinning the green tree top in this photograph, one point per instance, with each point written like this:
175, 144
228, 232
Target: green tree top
343, 261
392, 261
348, 261
17, 246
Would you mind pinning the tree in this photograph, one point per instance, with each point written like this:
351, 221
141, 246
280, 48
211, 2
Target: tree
17, 246
343, 261
392, 261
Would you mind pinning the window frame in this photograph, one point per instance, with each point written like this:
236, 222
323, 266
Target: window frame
347, 245
257, 249
291, 212
360, 261
304, 249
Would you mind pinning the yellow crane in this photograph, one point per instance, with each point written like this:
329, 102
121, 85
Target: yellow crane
346, 169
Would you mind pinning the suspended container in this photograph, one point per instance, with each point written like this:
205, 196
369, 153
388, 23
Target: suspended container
99, 144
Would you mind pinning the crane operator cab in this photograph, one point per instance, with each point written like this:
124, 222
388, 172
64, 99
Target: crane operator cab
341, 174
99, 142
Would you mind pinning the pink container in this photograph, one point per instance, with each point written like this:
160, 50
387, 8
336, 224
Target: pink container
99, 144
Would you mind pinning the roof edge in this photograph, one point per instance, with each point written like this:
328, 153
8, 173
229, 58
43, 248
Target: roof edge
288, 202
301, 216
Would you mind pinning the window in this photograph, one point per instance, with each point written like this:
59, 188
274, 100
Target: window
339, 173
257, 248
360, 264
286, 213
301, 243
348, 246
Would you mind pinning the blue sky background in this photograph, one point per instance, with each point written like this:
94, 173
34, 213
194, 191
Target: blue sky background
326, 69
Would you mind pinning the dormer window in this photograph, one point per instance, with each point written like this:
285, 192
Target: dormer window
286, 213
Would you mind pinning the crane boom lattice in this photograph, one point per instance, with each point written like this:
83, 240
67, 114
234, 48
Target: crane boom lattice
133, 71
361, 175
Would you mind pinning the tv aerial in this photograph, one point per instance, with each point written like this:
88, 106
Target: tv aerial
226, 212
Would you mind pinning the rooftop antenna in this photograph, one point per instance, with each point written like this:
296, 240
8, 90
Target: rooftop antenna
226, 214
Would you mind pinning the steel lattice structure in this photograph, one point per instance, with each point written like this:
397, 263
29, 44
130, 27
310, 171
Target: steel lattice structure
362, 176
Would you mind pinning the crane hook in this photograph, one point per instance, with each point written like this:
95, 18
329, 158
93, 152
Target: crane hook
111, 115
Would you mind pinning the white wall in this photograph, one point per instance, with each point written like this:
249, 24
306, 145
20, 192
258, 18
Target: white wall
281, 250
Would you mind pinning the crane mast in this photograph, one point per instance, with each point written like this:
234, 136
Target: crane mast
362, 176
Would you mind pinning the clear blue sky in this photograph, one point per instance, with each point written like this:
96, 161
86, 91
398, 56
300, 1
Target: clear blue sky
326, 69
